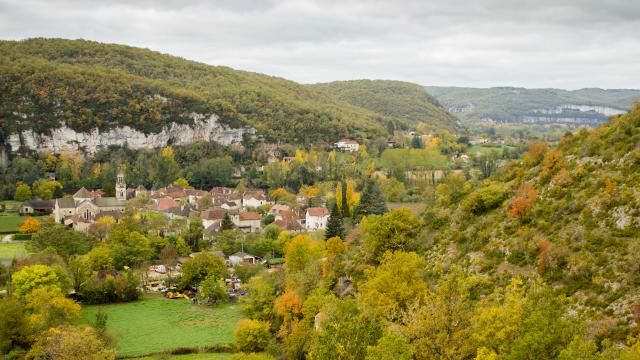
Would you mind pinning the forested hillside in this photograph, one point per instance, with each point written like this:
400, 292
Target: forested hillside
401, 100
568, 215
509, 104
44, 83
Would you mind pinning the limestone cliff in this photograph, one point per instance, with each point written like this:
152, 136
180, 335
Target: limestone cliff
203, 129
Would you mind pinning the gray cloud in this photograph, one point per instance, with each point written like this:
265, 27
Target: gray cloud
541, 43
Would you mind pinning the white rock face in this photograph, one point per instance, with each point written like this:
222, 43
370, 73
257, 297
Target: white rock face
203, 129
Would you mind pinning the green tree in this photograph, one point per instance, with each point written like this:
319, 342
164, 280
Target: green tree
13, 325
372, 201
395, 230
64, 241
416, 142
193, 236
390, 346
129, 248
200, 267
213, 290
335, 227
23, 193
226, 223
47, 189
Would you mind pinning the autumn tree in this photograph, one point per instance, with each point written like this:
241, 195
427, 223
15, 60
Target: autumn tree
72, 343
29, 226
252, 335
394, 285
34, 277
523, 201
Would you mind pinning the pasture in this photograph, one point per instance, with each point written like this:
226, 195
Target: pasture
157, 324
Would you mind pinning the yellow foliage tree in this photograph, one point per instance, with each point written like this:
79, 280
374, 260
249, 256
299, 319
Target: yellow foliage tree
182, 182
29, 226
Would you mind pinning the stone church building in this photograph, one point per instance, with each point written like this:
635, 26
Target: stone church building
85, 207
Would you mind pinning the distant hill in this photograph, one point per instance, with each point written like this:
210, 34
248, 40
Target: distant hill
401, 100
48, 84
510, 104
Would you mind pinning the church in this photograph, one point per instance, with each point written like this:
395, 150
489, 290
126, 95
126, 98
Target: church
85, 207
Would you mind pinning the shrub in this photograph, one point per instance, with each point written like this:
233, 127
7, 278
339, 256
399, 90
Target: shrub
107, 288
252, 335
484, 199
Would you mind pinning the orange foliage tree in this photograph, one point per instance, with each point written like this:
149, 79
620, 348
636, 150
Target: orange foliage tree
523, 201
30, 225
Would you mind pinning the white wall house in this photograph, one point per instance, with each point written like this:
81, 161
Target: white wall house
316, 218
347, 145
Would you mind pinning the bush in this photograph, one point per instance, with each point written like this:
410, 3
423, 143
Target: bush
110, 288
484, 199
252, 335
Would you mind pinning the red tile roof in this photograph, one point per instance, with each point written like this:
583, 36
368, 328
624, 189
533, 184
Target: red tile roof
250, 215
318, 211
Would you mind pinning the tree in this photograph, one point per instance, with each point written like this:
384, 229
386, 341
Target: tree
522, 202
395, 230
252, 335
64, 241
193, 236
213, 290
390, 346
335, 226
23, 193
261, 291
344, 332
29, 226
371, 202
416, 142
72, 343
33, 277
181, 182
49, 308
47, 189
438, 327
129, 248
300, 252
200, 267
394, 285
484, 199
226, 223
13, 325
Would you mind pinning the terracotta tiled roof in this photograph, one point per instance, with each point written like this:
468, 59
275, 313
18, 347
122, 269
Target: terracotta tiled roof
250, 215
212, 214
165, 204
318, 211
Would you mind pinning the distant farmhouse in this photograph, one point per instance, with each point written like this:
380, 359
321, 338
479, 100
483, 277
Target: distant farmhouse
85, 207
347, 145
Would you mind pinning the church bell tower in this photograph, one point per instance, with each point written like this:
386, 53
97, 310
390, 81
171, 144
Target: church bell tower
121, 186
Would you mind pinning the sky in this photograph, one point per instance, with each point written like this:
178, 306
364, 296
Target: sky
567, 44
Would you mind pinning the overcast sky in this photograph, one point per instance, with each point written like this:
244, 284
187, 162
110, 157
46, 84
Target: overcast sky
539, 43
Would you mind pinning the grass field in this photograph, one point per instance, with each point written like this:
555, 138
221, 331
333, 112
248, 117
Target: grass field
8, 251
486, 149
11, 206
156, 324
10, 222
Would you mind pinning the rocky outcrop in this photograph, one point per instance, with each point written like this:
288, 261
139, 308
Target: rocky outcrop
203, 129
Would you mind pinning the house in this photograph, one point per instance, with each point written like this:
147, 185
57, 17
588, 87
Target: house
254, 199
243, 258
248, 221
211, 216
288, 224
163, 204
316, 218
347, 145
194, 195
83, 207
277, 209
37, 206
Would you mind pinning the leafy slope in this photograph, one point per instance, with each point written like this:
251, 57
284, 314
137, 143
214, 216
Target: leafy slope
85, 84
401, 100
581, 232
